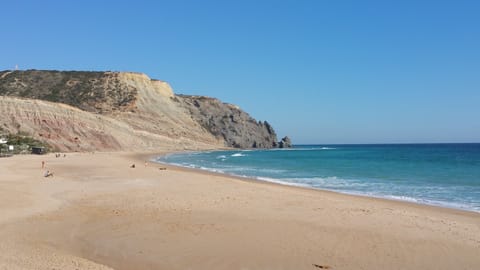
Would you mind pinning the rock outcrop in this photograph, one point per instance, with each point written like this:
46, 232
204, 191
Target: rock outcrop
76, 110
285, 142
229, 123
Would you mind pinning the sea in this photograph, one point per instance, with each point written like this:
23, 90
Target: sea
446, 175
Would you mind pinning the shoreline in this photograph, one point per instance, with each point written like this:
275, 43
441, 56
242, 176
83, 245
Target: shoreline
280, 183
98, 213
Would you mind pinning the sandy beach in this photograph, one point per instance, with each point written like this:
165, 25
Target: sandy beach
98, 213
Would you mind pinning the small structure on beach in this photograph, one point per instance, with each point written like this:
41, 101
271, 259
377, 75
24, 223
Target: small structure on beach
4, 148
38, 150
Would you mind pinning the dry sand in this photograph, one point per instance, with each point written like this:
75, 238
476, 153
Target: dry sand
98, 213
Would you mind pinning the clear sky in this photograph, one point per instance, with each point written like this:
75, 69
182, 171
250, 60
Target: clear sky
318, 71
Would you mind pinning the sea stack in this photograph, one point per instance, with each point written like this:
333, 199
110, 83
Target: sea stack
285, 142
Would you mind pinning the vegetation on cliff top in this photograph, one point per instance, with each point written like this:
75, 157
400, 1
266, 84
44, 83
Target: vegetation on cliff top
87, 90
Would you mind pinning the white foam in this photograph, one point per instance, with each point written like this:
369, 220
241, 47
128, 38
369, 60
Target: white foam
278, 181
344, 186
238, 155
452, 205
212, 170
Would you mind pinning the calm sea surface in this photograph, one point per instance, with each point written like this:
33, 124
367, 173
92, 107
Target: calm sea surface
436, 174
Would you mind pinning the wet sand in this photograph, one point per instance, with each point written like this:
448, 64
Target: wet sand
98, 213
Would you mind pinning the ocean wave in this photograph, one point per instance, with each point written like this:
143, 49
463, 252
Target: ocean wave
453, 205
428, 193
212, 170
364, 189
278, 181
402, 198
330, 182
253, 171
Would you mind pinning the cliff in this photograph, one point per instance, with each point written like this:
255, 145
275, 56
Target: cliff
76, 110
228, 122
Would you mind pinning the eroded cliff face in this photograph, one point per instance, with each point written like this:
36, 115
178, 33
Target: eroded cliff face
75, 110
228, 122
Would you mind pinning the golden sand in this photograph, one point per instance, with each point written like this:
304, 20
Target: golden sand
98, 213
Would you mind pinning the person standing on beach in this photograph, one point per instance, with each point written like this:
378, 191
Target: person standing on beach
43, 164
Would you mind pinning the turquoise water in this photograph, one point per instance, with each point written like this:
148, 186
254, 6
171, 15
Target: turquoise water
436, 174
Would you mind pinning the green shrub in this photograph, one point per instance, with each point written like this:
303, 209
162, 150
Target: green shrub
23, 143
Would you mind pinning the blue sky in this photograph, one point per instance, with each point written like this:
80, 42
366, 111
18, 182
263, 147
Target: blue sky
318, 71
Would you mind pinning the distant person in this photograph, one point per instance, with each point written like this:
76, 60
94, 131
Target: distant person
48, 174
43, 164
132, 166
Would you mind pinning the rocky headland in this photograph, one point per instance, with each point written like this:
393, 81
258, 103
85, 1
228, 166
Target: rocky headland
110, 111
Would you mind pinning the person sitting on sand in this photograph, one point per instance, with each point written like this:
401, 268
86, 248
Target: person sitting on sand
132, 166
48, 174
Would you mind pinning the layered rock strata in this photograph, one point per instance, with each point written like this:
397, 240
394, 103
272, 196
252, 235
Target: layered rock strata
76, 110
